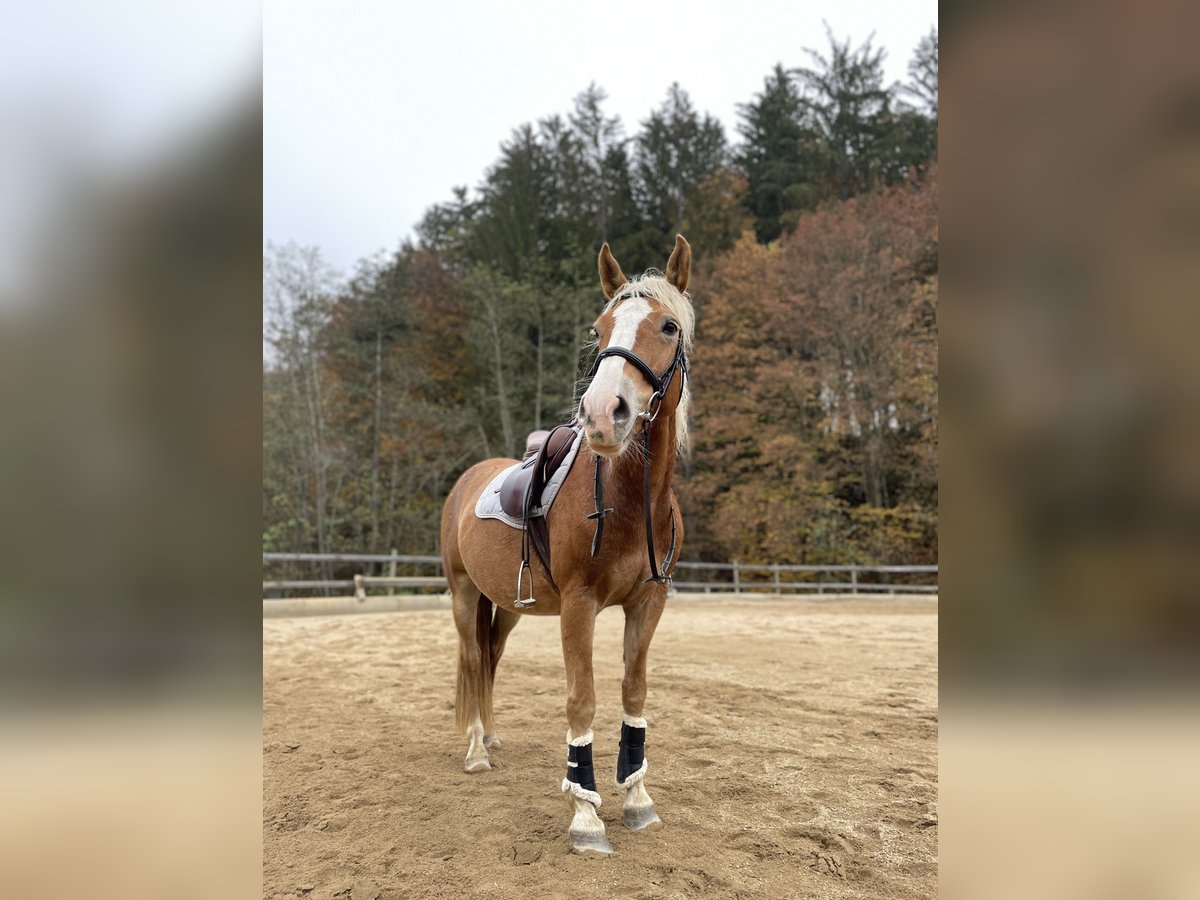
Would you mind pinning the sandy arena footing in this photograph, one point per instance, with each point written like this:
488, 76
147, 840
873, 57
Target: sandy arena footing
792, 750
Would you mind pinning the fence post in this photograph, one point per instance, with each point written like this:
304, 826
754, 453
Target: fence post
392, 564
775, 569
854, 579
737, 581
360, 589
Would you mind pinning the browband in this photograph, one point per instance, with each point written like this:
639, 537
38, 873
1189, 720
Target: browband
653, 379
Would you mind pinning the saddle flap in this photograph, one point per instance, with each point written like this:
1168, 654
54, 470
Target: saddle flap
525, 483
558, 445
513, 489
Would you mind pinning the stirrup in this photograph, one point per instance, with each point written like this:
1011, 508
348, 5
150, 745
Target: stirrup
529, 601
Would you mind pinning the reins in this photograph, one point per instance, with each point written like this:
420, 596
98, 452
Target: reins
661, 384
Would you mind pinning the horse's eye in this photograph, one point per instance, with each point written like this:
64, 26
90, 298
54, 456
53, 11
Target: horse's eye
670, 327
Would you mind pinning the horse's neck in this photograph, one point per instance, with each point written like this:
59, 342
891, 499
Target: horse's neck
626, 481
662, 459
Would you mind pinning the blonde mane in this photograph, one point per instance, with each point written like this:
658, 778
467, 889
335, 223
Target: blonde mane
679, 304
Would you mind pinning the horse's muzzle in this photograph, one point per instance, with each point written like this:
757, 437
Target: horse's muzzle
603, 445
606, 423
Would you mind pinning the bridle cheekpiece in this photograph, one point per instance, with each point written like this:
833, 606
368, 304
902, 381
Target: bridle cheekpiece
660, 385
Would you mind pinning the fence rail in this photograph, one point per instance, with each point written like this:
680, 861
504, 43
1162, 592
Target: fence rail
780, 577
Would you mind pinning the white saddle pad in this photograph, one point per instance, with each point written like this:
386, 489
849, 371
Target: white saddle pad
488, 504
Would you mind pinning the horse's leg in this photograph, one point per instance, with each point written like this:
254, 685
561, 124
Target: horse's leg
640, 621
503, 623
578, 626
473, 706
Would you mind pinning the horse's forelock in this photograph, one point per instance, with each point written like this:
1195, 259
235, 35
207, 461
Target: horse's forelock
655, 285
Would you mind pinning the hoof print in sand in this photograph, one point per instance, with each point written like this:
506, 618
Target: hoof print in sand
824, 864
336, 822
525, 853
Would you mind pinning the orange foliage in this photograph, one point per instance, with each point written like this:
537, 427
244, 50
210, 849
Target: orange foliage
815, 389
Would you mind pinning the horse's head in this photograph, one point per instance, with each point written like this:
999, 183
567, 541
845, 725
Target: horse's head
641, 336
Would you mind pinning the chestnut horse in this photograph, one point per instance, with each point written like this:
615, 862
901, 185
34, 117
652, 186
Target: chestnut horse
634, 421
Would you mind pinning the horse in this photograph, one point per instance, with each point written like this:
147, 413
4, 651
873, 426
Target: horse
633, 418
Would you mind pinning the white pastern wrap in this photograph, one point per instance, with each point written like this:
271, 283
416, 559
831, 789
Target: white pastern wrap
633, 721
570, 787
635, 777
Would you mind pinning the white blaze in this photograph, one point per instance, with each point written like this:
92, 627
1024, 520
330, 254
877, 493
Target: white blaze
627, 316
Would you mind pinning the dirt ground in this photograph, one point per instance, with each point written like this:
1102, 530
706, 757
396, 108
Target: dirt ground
792, 753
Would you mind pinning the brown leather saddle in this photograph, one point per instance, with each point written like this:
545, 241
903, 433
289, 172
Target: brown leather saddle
521, 490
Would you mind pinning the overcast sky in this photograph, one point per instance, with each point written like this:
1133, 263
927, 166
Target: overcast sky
373, 111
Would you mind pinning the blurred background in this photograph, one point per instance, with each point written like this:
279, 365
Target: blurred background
1071, 500
130, 184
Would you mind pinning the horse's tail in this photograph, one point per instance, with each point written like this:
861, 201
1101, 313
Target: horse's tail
476, 679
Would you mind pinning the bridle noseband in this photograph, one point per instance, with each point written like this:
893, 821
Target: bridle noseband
660, 384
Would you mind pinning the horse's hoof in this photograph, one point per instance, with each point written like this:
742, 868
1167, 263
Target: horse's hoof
586, 842
477, 765
492, 742
639, 818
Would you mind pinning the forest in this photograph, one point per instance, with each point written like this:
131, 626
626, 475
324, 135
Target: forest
815, 282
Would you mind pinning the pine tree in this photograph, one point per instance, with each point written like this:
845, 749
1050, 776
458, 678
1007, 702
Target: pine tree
625, 216
844, 93
923, 75
678, 149
922, 116
777, 156
443, 227
867, 138
509, 227
604, 173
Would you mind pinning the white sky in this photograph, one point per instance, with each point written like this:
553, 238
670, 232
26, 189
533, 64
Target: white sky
374, 110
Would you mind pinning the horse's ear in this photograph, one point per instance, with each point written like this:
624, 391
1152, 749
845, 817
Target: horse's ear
612, 279
679, 266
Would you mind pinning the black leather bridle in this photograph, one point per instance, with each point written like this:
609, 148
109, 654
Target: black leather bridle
660, 384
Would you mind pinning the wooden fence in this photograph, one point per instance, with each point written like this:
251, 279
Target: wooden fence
421, 573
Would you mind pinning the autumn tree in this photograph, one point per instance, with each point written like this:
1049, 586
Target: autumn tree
815, 382
298, 295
